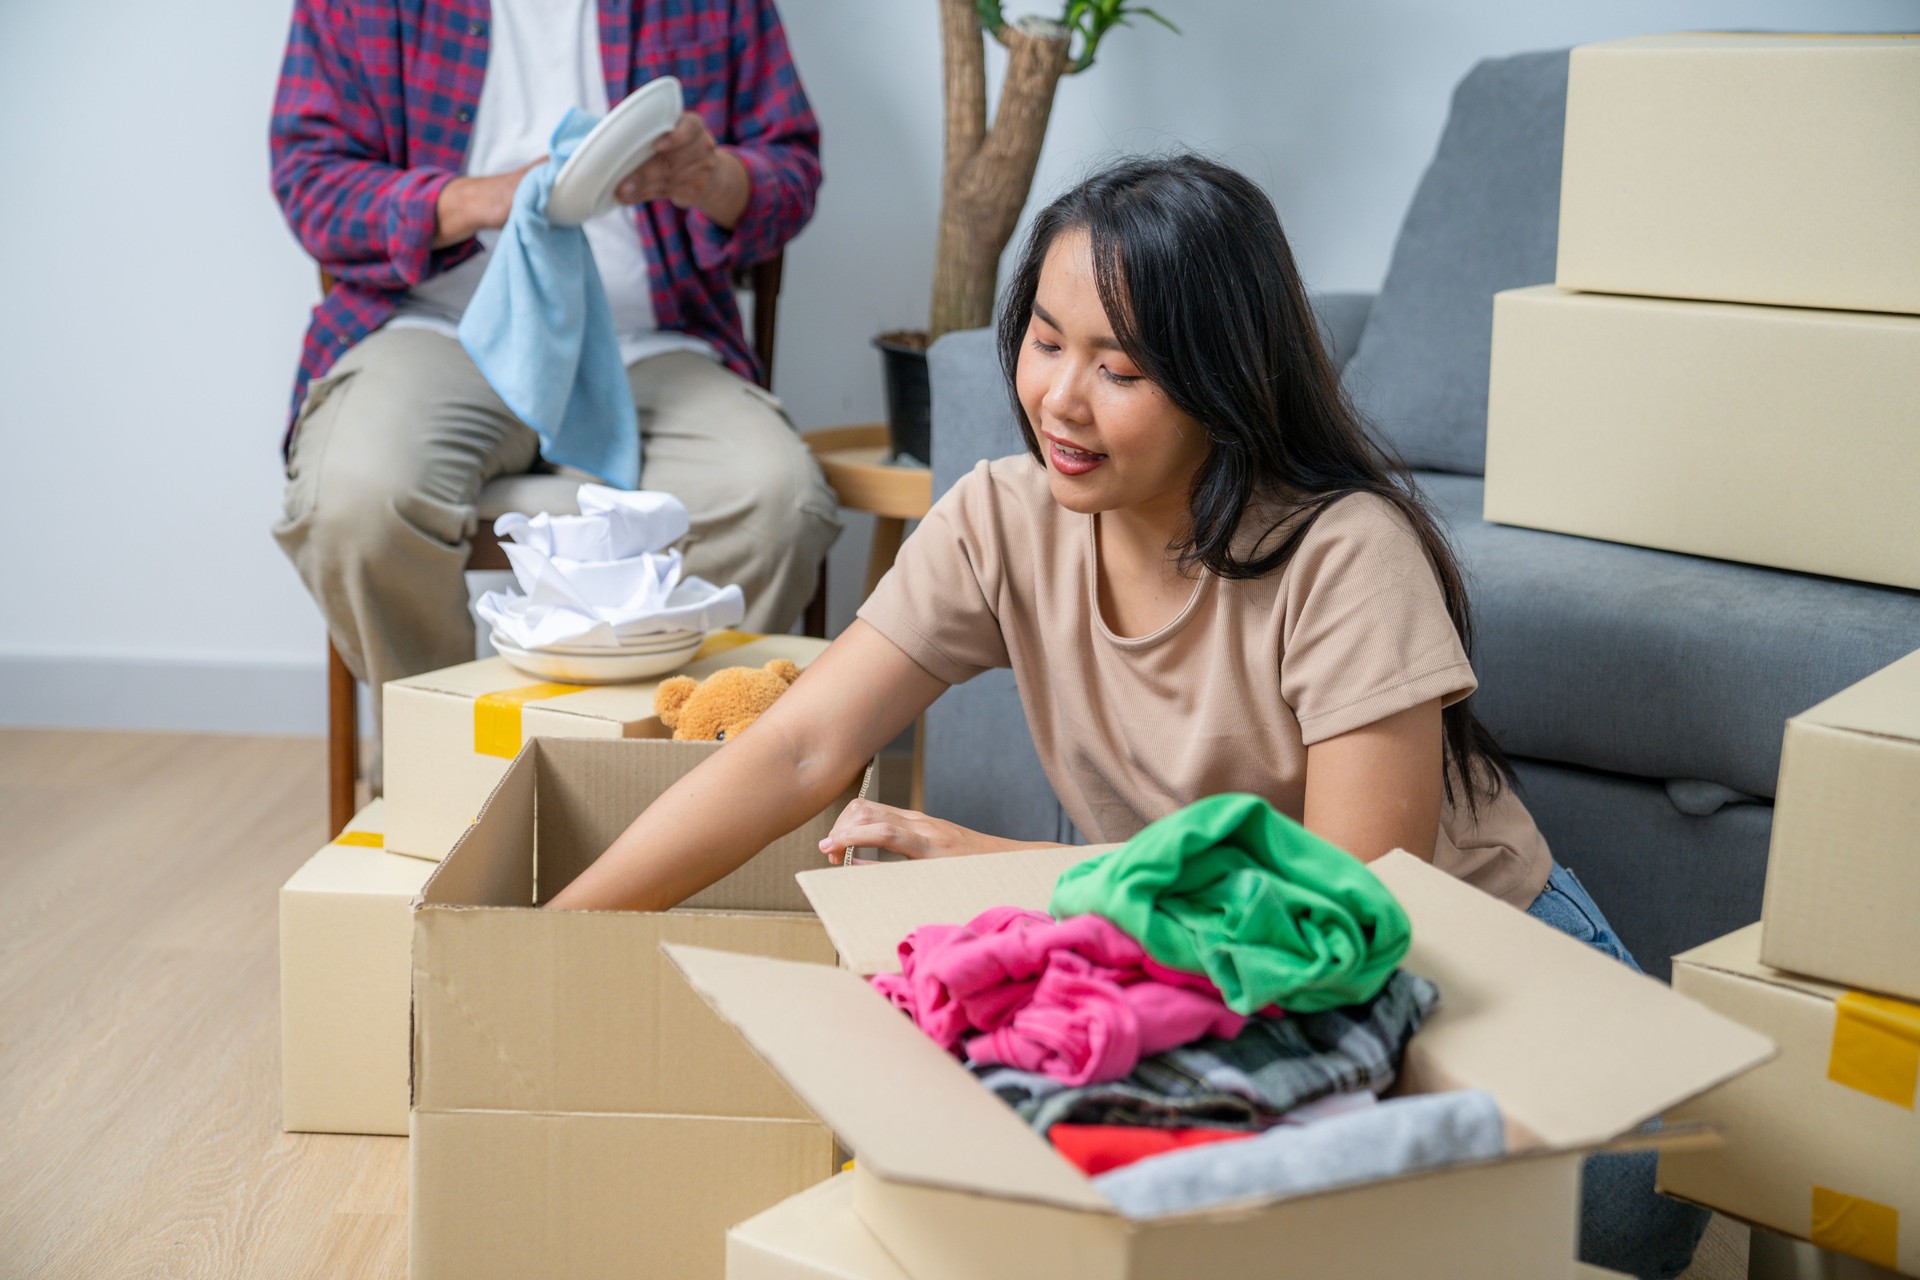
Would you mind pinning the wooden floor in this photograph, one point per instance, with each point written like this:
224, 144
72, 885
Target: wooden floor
140, 1023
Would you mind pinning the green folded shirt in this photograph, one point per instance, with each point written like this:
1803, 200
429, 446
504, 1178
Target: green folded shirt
1231, 888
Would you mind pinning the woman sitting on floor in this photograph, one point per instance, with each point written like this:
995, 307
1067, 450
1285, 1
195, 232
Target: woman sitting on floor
1206, 577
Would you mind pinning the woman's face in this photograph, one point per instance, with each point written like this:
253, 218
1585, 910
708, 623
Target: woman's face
1112, 440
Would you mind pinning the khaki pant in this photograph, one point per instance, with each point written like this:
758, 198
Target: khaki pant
393, 446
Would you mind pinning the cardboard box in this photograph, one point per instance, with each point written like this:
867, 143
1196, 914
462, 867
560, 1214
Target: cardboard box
577, 1110
1577, 1048
1771, 168
817, 1236
519, 1194
1823, 1142
345, 931
811, 1236
1843, 875
1763, 434
448, 735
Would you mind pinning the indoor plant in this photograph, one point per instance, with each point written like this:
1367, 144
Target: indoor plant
987, 172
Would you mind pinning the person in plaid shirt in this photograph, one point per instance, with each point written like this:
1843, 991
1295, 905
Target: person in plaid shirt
399, 133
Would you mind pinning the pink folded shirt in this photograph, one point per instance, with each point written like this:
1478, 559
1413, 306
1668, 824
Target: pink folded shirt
1075, 999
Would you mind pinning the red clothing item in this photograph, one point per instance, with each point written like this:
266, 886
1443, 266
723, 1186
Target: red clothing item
374, 112
1098, 1148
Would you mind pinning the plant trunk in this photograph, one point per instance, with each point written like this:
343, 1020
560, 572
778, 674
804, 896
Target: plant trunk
988, 172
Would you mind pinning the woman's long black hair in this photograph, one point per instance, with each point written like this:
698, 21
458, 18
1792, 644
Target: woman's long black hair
1199, 284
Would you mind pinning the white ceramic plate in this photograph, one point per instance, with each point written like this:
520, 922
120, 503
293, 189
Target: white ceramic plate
610, 668
659, 642
618, 145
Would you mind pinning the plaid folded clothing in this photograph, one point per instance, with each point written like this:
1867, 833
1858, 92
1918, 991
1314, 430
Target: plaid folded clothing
1248, 1082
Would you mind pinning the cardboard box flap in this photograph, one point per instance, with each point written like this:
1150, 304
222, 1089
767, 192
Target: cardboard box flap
907, 1109
1886, 703
588, 791
486, 866
867, 910
1575, 1046
1738, 953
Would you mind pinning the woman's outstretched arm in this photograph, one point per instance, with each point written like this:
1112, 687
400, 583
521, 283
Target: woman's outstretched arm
785, 768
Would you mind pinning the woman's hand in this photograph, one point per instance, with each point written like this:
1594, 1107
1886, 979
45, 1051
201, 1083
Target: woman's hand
689, 168
867, 824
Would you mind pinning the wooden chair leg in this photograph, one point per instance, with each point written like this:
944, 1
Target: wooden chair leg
814, 620
343, 742
888, 531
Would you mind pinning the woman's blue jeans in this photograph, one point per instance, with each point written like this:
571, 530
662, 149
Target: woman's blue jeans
1625, 1225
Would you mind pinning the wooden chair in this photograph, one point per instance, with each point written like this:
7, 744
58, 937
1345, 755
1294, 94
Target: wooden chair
533, 492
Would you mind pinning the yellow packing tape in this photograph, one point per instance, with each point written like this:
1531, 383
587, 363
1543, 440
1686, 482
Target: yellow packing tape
1876, 1047
1858, 1228
362, 839
496, 716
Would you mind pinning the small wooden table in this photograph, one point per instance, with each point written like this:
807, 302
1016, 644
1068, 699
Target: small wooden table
854, 461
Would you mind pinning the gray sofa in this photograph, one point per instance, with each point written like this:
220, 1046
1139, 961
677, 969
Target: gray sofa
1641, 693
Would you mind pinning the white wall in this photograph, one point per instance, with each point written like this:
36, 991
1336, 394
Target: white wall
154, 301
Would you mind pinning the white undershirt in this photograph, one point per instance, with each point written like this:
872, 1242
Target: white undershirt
544, 57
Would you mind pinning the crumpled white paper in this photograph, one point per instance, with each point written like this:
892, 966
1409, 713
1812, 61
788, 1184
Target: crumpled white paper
613, 524
600, 598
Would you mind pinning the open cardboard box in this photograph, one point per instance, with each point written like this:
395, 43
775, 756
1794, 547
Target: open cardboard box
517, 1008
450, 734
577, 1110
816, 1236
1577, 1048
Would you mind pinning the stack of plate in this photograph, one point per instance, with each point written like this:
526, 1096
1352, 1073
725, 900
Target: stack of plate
639, 658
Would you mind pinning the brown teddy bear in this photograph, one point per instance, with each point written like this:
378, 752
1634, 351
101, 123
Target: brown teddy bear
722, 705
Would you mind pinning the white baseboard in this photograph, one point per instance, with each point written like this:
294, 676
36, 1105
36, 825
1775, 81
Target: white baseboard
180, 695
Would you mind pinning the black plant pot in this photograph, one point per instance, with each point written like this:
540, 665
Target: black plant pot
903, 363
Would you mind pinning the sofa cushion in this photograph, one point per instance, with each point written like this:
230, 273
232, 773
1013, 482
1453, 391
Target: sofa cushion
1652, 663
1485, 217
1666, 879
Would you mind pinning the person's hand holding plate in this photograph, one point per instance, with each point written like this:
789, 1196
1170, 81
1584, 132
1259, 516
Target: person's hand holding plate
689, 168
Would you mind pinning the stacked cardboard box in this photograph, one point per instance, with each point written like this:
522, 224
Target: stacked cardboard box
1727, 365
1578, 1050
449, 734
1728, 361
1824, 1143
577, 1110
345, 930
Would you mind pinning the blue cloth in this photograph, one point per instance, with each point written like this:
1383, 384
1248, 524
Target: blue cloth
541, 332
1402, 1135
1625, 1225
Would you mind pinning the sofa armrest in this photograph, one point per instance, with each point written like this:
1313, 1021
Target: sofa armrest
1342, 317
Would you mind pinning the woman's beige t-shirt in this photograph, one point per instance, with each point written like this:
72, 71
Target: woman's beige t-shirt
1227, 696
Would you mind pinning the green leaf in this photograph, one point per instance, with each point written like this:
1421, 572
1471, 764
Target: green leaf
1149, 13
990, 15
1092, 19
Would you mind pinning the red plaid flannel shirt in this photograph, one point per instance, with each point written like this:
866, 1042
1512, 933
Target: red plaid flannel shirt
375, 109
